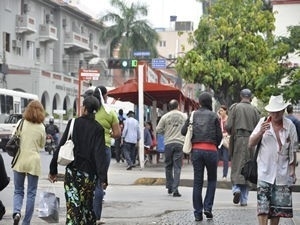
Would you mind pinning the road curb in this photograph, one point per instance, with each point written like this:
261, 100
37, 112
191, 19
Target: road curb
189, 183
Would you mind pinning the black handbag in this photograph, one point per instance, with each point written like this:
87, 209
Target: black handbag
249, 170
13, 145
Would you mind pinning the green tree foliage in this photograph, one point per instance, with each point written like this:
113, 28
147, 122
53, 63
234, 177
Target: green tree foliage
234, 49
128, 32
287, 78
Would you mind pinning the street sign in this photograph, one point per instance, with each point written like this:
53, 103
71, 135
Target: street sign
59, 111
141, 53
89, 74
158, 63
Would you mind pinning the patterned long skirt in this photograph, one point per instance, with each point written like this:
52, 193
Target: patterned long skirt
79, 191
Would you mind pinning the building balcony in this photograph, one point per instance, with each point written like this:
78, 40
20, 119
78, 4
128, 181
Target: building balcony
25, 24
76, 42
93, 52
47, 32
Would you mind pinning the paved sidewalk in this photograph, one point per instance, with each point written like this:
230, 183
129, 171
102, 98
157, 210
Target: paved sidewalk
129, 203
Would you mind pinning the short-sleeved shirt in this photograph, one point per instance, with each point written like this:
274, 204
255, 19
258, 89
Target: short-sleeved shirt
107, 119
273, 162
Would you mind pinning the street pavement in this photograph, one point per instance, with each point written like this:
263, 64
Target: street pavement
139, 197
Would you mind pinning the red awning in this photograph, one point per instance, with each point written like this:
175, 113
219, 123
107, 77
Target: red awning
152, 92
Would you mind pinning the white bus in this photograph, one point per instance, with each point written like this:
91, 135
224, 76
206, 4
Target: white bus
13, 102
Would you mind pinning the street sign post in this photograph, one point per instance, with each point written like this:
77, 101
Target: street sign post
86, 74
159, 63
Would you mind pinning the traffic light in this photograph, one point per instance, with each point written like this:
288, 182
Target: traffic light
122, 63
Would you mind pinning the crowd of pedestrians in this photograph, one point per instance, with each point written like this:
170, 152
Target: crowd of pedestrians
227, 135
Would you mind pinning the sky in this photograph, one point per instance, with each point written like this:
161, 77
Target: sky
159, 10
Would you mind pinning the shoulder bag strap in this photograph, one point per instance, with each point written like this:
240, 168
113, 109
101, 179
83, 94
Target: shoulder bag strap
71, 129
258, 144
19, 127
191, 118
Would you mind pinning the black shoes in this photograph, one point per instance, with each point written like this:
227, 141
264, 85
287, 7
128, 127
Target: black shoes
129, 167
2, 210
236, 197
198, 219
208, 215
17, 218
170, 191
176, 194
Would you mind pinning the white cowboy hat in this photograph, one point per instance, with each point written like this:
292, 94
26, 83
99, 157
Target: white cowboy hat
276, 104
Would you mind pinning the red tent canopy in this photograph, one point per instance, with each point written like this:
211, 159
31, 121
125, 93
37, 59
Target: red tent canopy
152, 92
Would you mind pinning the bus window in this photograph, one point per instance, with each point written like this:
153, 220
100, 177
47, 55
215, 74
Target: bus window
24, 103
2, 103
17, 107
9, 104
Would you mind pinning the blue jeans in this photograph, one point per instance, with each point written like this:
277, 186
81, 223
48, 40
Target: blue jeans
173, 164
129, 152
244, 189
32, 183
99, 192
203, 159
224, 156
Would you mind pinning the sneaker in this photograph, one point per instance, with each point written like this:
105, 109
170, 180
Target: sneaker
99, 222
170, 191
208, 215
176, 194
224, 178
236, 197
198, 218
17, 218
243, 204
129, 167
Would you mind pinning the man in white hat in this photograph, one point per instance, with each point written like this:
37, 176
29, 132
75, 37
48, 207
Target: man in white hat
275, 162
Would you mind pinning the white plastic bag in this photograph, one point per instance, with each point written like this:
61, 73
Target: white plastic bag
48, 207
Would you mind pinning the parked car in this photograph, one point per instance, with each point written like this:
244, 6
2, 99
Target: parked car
7, 128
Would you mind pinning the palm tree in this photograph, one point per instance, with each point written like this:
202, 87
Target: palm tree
128, 32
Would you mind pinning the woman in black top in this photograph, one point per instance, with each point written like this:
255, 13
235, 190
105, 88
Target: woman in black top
87, 167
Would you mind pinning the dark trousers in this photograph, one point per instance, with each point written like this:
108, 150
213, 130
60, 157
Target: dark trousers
173, 164
129, 152
202, 160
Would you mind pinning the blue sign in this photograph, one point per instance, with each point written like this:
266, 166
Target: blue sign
159, 63
141, 53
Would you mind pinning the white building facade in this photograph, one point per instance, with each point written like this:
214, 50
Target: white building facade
287, 13
44, 43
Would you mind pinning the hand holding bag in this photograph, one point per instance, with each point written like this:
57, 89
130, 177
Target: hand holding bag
66, 152
13, 145
249, 170
187, 145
